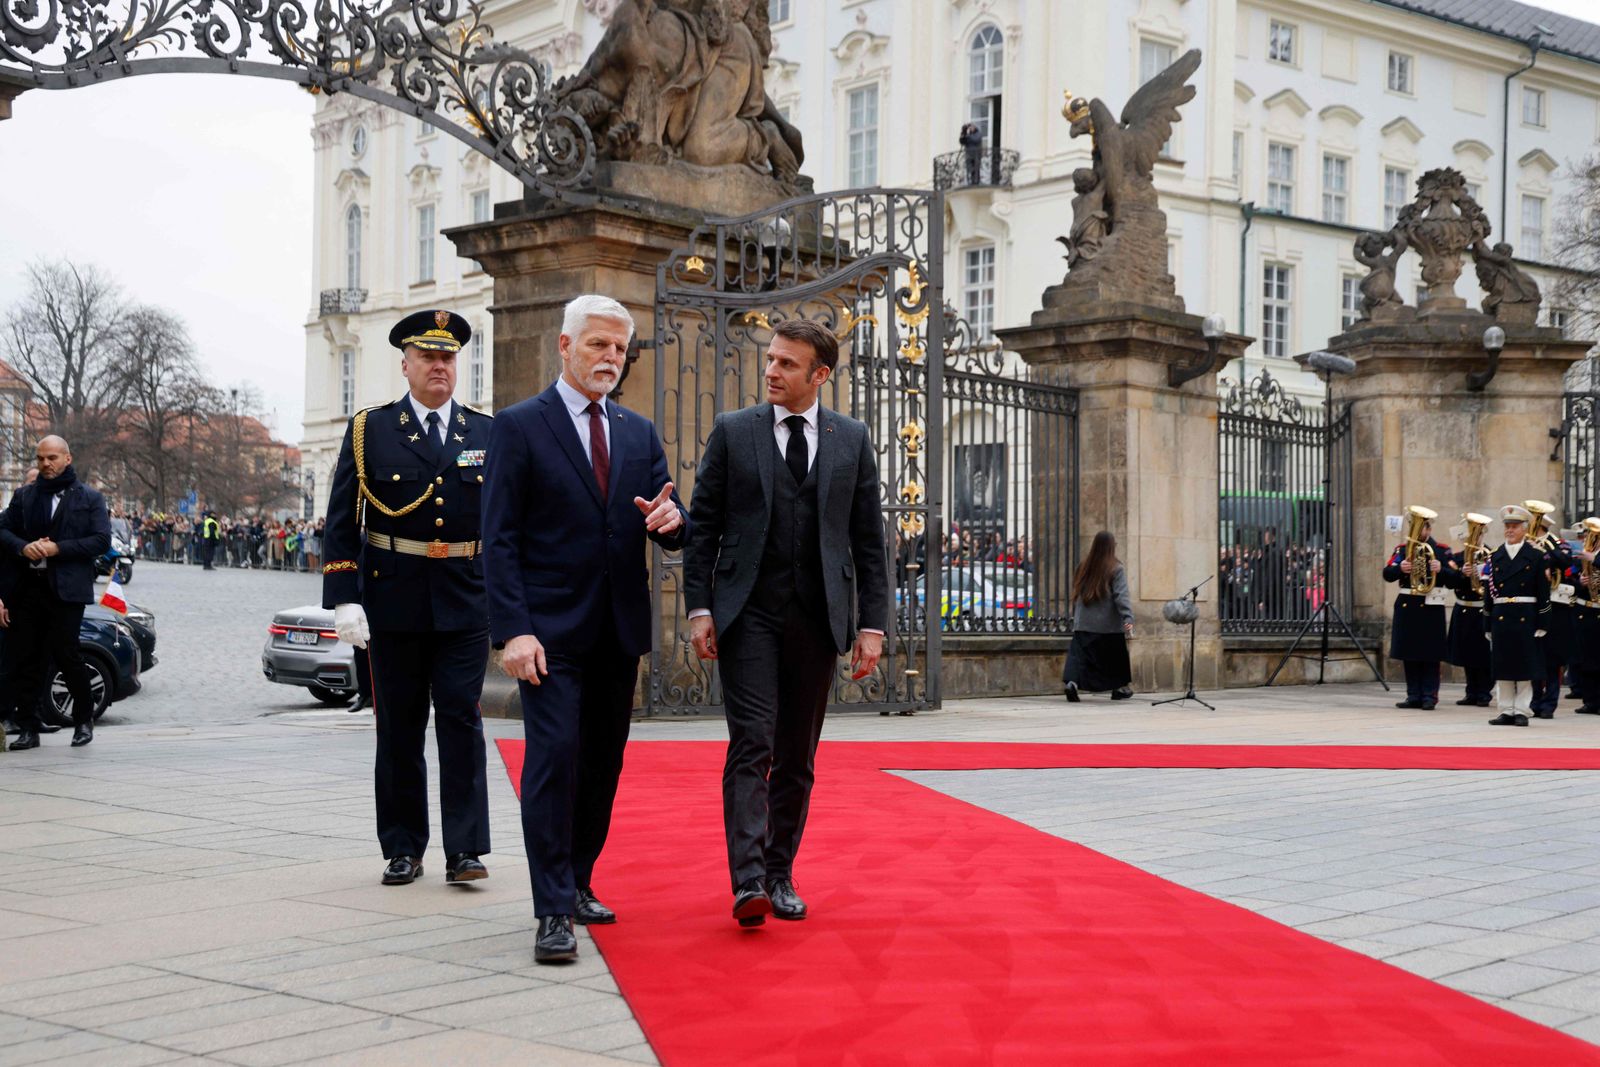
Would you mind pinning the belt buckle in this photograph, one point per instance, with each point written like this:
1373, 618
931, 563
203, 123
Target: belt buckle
438, 550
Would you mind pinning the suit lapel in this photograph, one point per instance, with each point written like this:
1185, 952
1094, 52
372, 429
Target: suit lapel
457, 435
406, 427
763, 445
618, 449
823, 463
559, 420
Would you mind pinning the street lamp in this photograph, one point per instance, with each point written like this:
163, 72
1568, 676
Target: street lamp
1494, 339
1213, 329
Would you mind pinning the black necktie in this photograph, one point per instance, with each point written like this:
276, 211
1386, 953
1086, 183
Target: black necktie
794, 454
434, 444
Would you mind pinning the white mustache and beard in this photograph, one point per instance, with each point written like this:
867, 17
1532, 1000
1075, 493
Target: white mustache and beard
602, 378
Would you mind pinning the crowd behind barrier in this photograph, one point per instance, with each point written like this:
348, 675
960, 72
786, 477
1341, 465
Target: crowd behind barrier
245, 541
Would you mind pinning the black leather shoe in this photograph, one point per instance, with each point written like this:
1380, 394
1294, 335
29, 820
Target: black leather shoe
1122, 694
1587, 709
786, 903
590, 912
83, 734
1072, 692
361, 704
1409, 704
463, 867
557, 943
1544, 715
1428, 705
402, 870
1508, 719
1466, 702
751, 905
25, 739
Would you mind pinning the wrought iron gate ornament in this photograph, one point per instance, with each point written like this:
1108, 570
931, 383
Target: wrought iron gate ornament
434, 59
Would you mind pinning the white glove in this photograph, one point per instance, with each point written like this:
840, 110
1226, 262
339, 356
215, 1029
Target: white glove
350, 623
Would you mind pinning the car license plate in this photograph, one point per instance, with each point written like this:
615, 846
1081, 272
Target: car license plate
303, 637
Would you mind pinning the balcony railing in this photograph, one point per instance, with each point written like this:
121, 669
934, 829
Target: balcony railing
993, 167
343, 301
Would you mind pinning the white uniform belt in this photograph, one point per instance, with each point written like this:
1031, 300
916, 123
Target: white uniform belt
1517, 600
1587, 603
1462, 602
432, 549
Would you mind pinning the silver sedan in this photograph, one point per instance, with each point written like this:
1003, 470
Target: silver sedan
303, 649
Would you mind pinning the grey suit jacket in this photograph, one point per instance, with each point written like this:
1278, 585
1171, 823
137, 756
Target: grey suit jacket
732, 506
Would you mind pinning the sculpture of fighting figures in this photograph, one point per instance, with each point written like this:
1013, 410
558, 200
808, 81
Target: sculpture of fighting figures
1118, 245
1442, 225
684, 80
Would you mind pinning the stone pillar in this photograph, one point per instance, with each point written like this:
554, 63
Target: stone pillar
1421, 436
1147, 462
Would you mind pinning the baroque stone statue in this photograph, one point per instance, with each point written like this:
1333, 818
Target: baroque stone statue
1378, 288
683, 81
1509, 295
1117, 249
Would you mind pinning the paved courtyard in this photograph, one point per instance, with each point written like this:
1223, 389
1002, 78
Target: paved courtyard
200, 884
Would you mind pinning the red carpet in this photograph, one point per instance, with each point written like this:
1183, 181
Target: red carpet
942, 933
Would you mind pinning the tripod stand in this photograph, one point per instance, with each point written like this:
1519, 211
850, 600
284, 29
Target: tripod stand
1192, 596
1327, 611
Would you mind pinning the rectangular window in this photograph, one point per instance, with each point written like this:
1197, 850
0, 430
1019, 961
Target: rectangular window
863, 137
1532, 246
425, 228
1396, 193
1155, 57
1276, 281
1335, 188
1238, 158
778, 11
1280, 178
977, 290
1532, 107
1281, 43
475, 371
482, 210
1400, 73
347, 381
1349, 301
1559, 318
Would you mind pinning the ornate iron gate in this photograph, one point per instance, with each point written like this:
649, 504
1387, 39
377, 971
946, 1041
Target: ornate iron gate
869, 264
1284, 544
1579, 450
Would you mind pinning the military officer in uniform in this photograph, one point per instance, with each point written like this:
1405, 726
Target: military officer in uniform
1516, 607
1417, 636
1557, 641
404, 575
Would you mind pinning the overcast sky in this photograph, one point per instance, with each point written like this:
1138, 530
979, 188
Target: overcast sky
195, 192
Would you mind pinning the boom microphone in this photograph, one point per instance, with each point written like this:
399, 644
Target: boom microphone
1330, 363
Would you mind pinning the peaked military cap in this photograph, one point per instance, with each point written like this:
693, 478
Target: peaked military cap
1514, 513
432, 331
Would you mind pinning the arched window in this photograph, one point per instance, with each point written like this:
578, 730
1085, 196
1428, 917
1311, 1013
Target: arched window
352, 247
985, 78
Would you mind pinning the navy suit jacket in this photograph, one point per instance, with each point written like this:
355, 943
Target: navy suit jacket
559, 562
81, 530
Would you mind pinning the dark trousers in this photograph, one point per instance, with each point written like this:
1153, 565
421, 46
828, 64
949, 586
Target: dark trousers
1587, 683
777, 669
44, 631
363, 669
1547, 690
408, 668
1480, 682
208, 552
576, 724
1422, 680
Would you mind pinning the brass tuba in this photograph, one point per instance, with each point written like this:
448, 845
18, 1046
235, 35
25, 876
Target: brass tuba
1474, 552
1591, 543
1542, 533
1419, 552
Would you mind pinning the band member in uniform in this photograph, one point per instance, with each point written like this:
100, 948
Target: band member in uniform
403, 574
1584, 655
1516, 605
1468, 643
1558, 624
786, 569
576, 483
1417, 635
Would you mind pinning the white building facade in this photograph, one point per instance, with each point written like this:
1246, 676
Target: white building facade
1312, 122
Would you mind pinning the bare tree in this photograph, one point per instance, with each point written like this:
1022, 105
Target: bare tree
240, 468
61, 336
1577, 250
165, 390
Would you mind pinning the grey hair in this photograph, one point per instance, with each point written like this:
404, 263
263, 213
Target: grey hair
576, 315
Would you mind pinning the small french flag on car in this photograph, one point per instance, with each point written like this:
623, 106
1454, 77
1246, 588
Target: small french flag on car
113, 598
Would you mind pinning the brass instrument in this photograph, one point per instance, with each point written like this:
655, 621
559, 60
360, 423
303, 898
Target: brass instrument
1419, 553
1474, 552
1591, 543
1542, 533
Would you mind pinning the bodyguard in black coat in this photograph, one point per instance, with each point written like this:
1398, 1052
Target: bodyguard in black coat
52, 532
1517, 607
1417, 636
403, 571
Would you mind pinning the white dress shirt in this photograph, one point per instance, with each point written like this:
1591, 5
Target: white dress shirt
781, 432
422, 411
577, 407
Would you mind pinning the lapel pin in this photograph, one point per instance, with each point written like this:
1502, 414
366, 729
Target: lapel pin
404, 418
414, 437
462, 419
458, 437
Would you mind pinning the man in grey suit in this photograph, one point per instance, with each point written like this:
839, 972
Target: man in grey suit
785, 570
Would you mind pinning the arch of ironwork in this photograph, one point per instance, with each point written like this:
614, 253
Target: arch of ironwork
435, 59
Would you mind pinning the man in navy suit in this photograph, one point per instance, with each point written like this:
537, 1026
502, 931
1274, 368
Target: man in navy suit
574, 484
52, 531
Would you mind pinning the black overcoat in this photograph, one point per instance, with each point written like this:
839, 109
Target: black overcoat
1468, 644
1517, 655
1418, 630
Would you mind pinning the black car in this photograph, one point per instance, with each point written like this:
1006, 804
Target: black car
116, 649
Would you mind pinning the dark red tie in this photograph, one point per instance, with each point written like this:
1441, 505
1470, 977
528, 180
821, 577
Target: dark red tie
599, 454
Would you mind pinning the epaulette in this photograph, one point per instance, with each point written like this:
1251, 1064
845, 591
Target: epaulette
475, 411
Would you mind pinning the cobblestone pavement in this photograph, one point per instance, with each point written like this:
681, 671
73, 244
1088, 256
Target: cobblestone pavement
200, 884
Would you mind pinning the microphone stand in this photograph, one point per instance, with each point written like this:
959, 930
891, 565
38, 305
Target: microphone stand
1193, 596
